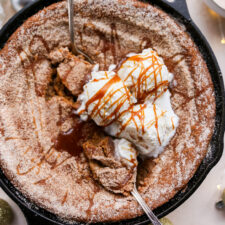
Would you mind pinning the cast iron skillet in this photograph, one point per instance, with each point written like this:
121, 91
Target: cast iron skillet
38, 216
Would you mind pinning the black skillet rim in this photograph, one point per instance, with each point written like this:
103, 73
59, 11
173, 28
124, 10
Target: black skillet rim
217, 139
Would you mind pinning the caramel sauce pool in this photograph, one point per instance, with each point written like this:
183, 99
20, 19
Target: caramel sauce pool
70, 141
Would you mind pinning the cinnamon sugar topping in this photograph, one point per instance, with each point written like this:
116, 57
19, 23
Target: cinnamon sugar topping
35, 106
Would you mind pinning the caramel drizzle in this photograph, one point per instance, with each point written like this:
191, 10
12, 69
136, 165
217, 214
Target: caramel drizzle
27, 150
172, 123
26, 69
156, 123
100, 94
2, 130
141, 117
104, 96
105, 44
35, 37
36, 59
64, 198
119, 103
114, 40
142, 82
42, 181
37, 165
145, 43
60, 163
43, 159
171, 63
15, 138
91, 197
151, 123
44, 156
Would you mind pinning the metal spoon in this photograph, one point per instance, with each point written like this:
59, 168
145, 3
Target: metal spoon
75, 50
154, 220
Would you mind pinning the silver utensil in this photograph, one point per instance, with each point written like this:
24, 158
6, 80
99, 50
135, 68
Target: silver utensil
75, 50
154, 220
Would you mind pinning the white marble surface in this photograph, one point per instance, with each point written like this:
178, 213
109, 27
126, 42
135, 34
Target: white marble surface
199, 209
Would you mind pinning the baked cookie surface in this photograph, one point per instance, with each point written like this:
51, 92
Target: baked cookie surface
36, 107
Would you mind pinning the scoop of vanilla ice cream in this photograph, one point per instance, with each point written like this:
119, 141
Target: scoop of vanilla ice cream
163, 102
147, 126
125, 151
145, 74
104, 98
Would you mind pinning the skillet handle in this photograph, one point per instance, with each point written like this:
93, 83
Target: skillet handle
180, 6
34, 219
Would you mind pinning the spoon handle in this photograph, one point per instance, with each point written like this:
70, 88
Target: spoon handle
145, 207
75, 50
71, 25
